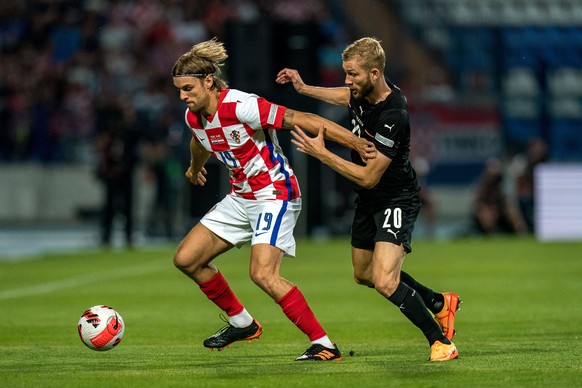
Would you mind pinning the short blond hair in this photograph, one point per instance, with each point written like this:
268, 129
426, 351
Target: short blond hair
370, 52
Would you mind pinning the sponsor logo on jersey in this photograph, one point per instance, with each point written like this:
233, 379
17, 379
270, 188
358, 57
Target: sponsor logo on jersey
216, 139
272, 114
384, 140
393, 232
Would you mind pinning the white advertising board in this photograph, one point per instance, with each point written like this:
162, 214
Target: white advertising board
558, 202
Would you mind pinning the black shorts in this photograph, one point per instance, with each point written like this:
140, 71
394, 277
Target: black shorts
393, 223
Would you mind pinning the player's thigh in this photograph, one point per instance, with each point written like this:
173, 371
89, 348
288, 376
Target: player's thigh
265, 262
362, 263
199, 247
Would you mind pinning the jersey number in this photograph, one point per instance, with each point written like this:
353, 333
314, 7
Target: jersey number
356, 130
393, 218
264, 221
228, 159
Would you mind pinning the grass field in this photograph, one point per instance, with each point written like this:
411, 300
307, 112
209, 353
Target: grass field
520, 323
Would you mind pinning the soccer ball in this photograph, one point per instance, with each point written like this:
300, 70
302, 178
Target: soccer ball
101, 328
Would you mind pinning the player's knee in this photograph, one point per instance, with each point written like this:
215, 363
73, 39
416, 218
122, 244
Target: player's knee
183, 261
386, 287
261, 277
180, 261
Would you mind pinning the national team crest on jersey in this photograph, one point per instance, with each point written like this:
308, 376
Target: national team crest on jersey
235, 135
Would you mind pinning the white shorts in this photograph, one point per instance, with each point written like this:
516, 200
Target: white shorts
239, 220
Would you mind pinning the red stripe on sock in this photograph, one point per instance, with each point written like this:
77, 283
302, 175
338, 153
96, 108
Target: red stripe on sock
218, 291
298, 311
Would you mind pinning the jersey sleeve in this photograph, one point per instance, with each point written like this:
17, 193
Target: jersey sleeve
271, 114
392, 127
260, 113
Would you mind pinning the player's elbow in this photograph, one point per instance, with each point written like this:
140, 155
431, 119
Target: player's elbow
369, 181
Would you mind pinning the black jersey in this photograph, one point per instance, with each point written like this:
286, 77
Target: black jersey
387, 125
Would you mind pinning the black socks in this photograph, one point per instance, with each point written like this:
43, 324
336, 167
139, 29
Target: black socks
412, 306
433, 301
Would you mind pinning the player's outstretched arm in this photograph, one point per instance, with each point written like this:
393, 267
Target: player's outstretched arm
198, 157
335, 132
336, 96
366, 176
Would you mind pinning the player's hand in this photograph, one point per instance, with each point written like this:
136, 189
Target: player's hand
290, 75
314, 146
366, 149
196, 178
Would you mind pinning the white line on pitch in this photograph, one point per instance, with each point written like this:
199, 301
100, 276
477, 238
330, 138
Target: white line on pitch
78, 281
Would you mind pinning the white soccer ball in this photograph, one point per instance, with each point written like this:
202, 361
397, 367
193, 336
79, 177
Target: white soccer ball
101, 328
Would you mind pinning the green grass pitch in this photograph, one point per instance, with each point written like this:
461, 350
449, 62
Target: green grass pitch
519, 325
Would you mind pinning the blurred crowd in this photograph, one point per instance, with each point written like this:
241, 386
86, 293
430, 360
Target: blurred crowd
505, 193
65, 61
88, 82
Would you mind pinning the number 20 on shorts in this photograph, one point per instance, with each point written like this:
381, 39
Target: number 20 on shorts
393, 218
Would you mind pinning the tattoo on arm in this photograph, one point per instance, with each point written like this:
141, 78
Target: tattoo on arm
288, 119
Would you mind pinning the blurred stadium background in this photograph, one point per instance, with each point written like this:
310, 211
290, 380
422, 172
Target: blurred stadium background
486, 80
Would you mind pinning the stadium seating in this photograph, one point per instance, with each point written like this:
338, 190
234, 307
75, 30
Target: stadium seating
529, 52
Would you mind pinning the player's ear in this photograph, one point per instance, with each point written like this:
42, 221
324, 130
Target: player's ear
375, 74
208, 82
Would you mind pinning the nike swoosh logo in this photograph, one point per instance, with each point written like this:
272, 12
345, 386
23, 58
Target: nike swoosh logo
258, 234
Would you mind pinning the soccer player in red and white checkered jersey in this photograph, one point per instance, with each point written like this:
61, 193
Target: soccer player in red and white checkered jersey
239, 129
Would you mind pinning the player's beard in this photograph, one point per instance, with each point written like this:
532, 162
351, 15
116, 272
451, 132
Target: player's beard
198, 104
195, 105
364, 90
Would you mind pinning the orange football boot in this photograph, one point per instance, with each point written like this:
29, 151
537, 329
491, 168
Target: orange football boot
443, 352
446, 317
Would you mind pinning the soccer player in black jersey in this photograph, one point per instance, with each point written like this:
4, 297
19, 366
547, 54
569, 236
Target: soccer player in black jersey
388, 198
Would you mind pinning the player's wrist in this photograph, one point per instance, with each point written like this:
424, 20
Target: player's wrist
354, 142
303, 89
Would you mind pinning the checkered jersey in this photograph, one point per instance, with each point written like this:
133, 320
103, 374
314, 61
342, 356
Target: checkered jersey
241, 135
